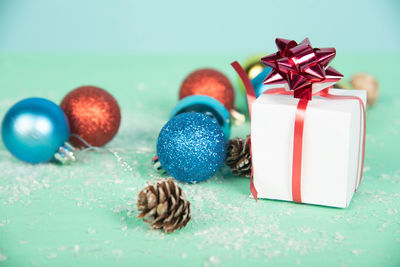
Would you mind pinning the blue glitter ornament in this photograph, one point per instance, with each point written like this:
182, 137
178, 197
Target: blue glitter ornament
36, 130
191, 147
208, 106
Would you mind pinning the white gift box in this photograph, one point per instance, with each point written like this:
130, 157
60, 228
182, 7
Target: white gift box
331, 151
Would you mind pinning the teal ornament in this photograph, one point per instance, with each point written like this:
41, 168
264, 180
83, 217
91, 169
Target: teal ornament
191, 147
36, 130
257, 82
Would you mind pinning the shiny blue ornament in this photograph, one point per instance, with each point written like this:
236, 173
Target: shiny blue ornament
35, 129
191, 147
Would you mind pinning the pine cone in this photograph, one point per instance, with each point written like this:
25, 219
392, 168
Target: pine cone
238, 157
164, 206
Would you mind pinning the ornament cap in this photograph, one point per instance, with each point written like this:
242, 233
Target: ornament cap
65, 154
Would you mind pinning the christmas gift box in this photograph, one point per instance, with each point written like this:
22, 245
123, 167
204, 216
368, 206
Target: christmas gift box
307, 139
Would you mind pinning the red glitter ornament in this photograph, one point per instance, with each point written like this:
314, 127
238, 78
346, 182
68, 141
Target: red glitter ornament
93, 114
209, 82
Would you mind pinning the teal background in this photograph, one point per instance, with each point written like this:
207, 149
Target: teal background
196, 26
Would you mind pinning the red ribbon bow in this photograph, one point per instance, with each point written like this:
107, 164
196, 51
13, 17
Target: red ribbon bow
300, 66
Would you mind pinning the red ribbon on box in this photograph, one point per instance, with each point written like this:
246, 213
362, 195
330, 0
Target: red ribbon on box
300, 66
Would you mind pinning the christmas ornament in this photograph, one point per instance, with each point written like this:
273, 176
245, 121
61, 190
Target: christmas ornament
257, 72
209, 82
257, 82
238, 156
93, 114
253, 66
164, 206
191, 147
215, 84
36, 130
208, 106
366, 82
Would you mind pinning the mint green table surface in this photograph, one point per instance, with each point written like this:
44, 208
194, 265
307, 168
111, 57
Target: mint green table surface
84, 214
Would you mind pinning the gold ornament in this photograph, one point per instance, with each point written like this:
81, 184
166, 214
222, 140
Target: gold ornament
367, 82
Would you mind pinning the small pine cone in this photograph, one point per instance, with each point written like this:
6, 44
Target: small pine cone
238, 157
164, 206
